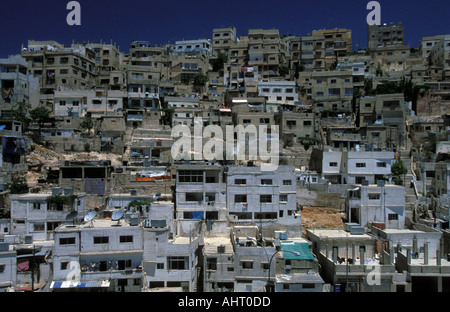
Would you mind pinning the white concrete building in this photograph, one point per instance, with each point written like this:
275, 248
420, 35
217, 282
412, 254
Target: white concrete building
203, 46
278, 93
264, 198
201, 194
354, 167
103, 254
8, 267
38, 215
376, 204
79, 102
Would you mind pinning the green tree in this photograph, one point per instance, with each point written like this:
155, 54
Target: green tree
40, 114
283, 70
18, 185
20, 113
87, 123
398, 169
200, 80
217, 63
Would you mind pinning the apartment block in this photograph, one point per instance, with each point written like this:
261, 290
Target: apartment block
16, 84
348, 260
440, 56
263, 198
264, 50
108, 60
59, 67
297, 269
8, 267
98, 255
337, 42
380, 204
294, 125
385, 35
192, 47
78, 103
381, 120
222, 39
201, 194
278, 94
39, 214
352, 166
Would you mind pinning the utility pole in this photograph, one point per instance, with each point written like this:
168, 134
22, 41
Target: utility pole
32, 268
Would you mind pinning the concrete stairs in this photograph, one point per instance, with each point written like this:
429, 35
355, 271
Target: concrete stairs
410, 195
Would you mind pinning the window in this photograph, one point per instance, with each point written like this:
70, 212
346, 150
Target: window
287, 182
190, 176
211, 264
265, 198
101, 240
392, 216
266, 181
62, 103
264, 265
381, 164
240, 198
67, 241
160, 266
37, 206
194, 197
64, 265
283, 198
247, 264
126, 239
240, 181
373, 196
333, 164
360, 165
307, 123
334, 91
38, 227
177, 263
2, 268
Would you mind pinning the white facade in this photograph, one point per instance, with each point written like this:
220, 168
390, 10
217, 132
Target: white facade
354, 167
8, 267
80, 102
279, 92
263, 197
101, 250
188, 46
376, 204
31, 214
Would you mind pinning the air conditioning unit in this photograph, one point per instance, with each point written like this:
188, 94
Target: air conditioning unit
56, 191
28, 239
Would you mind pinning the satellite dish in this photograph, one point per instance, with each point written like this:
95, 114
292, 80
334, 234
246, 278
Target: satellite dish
71, 217
117, 215
156, 196
89, 216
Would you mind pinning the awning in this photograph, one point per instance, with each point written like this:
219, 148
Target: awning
74, 284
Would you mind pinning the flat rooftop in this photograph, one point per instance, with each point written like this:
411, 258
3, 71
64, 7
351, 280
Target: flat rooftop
338, 234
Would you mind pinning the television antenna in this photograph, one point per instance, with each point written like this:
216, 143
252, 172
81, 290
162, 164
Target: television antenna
116, 216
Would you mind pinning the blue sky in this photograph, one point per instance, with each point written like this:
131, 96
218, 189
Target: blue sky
162, 21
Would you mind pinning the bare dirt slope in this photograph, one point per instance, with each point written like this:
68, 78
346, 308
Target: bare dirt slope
321, 218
